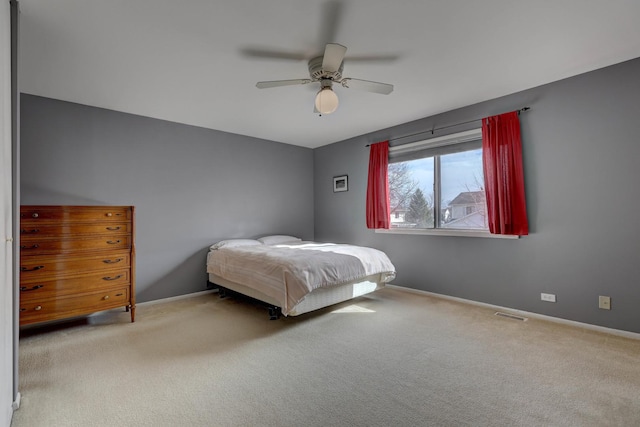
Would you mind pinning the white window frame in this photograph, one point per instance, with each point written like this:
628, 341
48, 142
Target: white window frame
441, 141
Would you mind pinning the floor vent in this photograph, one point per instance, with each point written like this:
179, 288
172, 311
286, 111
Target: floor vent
511, 316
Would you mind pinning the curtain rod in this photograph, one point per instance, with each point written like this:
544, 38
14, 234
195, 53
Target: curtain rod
445, 127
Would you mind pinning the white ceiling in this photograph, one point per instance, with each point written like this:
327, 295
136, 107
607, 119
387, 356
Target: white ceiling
186, 61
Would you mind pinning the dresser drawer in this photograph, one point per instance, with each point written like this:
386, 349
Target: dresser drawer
30, 215
75, 229
32, 246
74, 285
72, 305
50, 267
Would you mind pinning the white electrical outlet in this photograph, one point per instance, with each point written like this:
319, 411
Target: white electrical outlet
548, 297
604, 302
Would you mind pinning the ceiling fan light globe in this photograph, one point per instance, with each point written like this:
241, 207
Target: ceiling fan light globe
326, 101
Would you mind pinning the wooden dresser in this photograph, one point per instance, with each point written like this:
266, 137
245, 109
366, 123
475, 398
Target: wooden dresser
75, 260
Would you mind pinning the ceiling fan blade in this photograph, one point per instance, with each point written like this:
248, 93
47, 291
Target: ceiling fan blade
332, 12
333, 56
273, 54
369, 86
277, 83
372, 58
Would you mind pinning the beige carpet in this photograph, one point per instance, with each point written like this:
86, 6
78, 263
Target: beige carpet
393, 358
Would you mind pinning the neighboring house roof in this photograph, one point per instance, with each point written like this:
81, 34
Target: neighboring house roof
472, 221
400, 210
468, 198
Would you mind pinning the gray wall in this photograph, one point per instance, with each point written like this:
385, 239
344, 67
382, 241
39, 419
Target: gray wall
581, 154
190, 186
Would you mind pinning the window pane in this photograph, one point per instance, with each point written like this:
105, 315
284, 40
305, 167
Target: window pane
462, 188
411, 193
438, 183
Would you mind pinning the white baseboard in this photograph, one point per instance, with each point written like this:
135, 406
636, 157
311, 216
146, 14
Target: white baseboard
176, 298
16, 403
618, 332
156, 301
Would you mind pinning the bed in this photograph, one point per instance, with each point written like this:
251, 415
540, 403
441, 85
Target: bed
293, 276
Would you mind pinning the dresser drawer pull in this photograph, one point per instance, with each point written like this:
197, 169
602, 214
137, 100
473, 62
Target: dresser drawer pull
29, 247
22, 309
109, 214
39, 267
112, 261
112, 278
113, 228
25, 289
35, 230
119, 295
113, 242
38, 308
35, 215
105, 297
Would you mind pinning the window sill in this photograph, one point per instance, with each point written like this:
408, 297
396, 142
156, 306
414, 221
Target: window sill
446, 232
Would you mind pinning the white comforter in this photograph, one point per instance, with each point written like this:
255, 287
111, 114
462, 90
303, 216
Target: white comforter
288, 272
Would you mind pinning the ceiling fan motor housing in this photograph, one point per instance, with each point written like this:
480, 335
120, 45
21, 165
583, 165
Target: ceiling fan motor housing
317, 73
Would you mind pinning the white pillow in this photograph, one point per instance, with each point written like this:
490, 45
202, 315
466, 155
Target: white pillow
277, 239
233, 243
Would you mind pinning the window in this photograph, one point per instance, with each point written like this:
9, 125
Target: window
438, 184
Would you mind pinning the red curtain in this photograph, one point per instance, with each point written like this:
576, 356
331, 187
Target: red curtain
504, 175
378, 187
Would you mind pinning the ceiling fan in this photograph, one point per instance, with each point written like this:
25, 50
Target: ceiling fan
327, 70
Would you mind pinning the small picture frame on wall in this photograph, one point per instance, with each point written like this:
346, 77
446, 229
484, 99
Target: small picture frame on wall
340, 183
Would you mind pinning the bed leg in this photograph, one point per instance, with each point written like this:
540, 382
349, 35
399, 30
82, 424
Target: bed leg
274, 312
